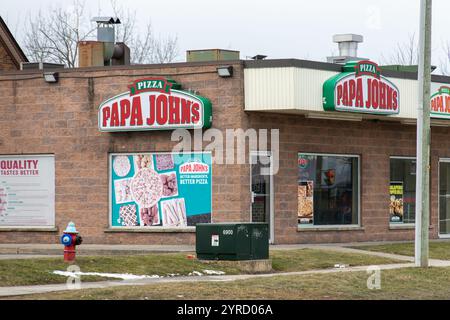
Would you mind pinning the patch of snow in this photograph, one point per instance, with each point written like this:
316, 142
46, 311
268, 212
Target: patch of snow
173, 275
123, 276
195, 273
213, 272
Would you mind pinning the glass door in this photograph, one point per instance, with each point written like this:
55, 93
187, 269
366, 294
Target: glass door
261, 190
444, 198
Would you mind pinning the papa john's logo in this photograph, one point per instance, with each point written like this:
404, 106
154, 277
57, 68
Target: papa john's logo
367, 68
361, 88
194, 167
154, 104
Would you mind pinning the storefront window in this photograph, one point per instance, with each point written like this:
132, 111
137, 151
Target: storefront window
402, 190
328, 190
444, 198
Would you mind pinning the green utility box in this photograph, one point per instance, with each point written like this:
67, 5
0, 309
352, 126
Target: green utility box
232, 241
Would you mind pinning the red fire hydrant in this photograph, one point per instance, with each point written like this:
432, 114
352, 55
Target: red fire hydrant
70, 239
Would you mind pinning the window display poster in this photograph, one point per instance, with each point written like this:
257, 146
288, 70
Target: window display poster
396, 202
27, 191
328, 177
307, 176
307, 167
306, 202
160, 189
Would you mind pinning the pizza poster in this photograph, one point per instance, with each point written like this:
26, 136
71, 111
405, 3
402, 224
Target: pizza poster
27, 191
306, 202
396, 202
160, 189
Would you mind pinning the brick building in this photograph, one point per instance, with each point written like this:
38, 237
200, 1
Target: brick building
70, 151
11, 55
60, 120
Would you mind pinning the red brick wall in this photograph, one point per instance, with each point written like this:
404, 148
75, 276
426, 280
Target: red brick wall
61, 119
374, 142
6, 61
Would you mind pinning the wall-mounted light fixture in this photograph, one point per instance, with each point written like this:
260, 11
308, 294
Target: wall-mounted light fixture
51, 77
225, 71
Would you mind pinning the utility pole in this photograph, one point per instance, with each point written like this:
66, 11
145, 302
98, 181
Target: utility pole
423, 138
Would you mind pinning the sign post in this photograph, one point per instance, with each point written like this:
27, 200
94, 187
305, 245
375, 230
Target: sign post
423, 138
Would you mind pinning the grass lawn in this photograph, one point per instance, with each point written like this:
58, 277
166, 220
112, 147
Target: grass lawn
407, 283
438, 249
310, 259
39, 271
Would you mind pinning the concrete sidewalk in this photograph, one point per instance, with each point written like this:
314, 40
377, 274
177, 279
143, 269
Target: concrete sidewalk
119, 249
90, 249
367, 252
27, 256
32, 251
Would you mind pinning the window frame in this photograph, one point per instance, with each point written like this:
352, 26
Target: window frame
440, 235
396, 224
334, 226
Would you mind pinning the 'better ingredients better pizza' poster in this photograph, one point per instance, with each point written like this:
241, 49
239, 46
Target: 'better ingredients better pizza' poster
160, 189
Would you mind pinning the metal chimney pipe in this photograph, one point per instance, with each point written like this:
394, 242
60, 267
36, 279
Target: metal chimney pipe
106, 34
348, 44
349, 49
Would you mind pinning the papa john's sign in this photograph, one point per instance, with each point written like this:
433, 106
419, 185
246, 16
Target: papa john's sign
440, 103
361, 88
154, 104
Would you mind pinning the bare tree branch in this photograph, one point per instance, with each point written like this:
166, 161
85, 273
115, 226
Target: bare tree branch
444, 65
54, 37
144, 46
166, 50
406, 53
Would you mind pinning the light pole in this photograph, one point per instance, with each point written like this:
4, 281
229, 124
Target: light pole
423, 137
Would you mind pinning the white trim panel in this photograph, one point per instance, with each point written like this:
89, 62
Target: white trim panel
299, 90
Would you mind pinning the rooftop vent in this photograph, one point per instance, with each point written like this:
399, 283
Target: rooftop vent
40, 66
107, 20
348, 48
259, 57
105, 51
106, 33
211, 55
